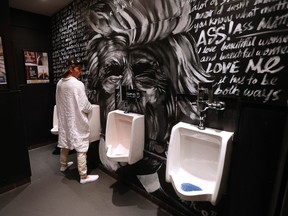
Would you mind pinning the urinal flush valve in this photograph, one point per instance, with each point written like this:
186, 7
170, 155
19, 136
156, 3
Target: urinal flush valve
206, 101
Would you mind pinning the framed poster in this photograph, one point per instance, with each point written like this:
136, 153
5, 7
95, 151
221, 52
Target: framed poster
36, 67
3, 79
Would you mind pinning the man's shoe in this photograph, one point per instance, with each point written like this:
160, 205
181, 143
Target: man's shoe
64, 168
89, 178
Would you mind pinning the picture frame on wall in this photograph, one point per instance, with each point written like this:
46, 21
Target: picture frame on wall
3, 77
36, 66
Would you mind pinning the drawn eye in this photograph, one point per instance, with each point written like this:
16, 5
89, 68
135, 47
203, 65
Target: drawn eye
144, 69
114, 70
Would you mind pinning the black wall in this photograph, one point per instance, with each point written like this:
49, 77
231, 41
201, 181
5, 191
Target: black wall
33, 32
14, 162
15, 165
258, 161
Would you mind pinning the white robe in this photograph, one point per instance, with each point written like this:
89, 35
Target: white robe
72, 109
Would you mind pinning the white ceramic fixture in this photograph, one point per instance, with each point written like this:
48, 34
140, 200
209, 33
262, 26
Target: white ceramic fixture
125, 136
93, 121
54, 130
198, 161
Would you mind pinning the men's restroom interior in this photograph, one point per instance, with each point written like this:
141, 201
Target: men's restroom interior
217, 63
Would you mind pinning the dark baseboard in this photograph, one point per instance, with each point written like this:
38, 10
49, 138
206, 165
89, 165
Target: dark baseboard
15, 184
42, 144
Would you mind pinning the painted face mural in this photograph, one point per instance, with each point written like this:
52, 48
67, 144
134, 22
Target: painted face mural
144, 45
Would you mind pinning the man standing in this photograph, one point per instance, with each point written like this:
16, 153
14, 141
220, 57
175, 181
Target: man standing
72, 109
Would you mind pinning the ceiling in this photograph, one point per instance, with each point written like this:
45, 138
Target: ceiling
43, 7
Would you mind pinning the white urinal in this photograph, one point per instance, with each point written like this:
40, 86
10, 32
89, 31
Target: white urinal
196, 161
54, 130
94, 123
125, 136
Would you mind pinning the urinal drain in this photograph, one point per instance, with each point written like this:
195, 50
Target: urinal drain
190, 187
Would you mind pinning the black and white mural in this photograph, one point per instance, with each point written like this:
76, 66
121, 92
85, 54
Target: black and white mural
163, 49
144, 45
